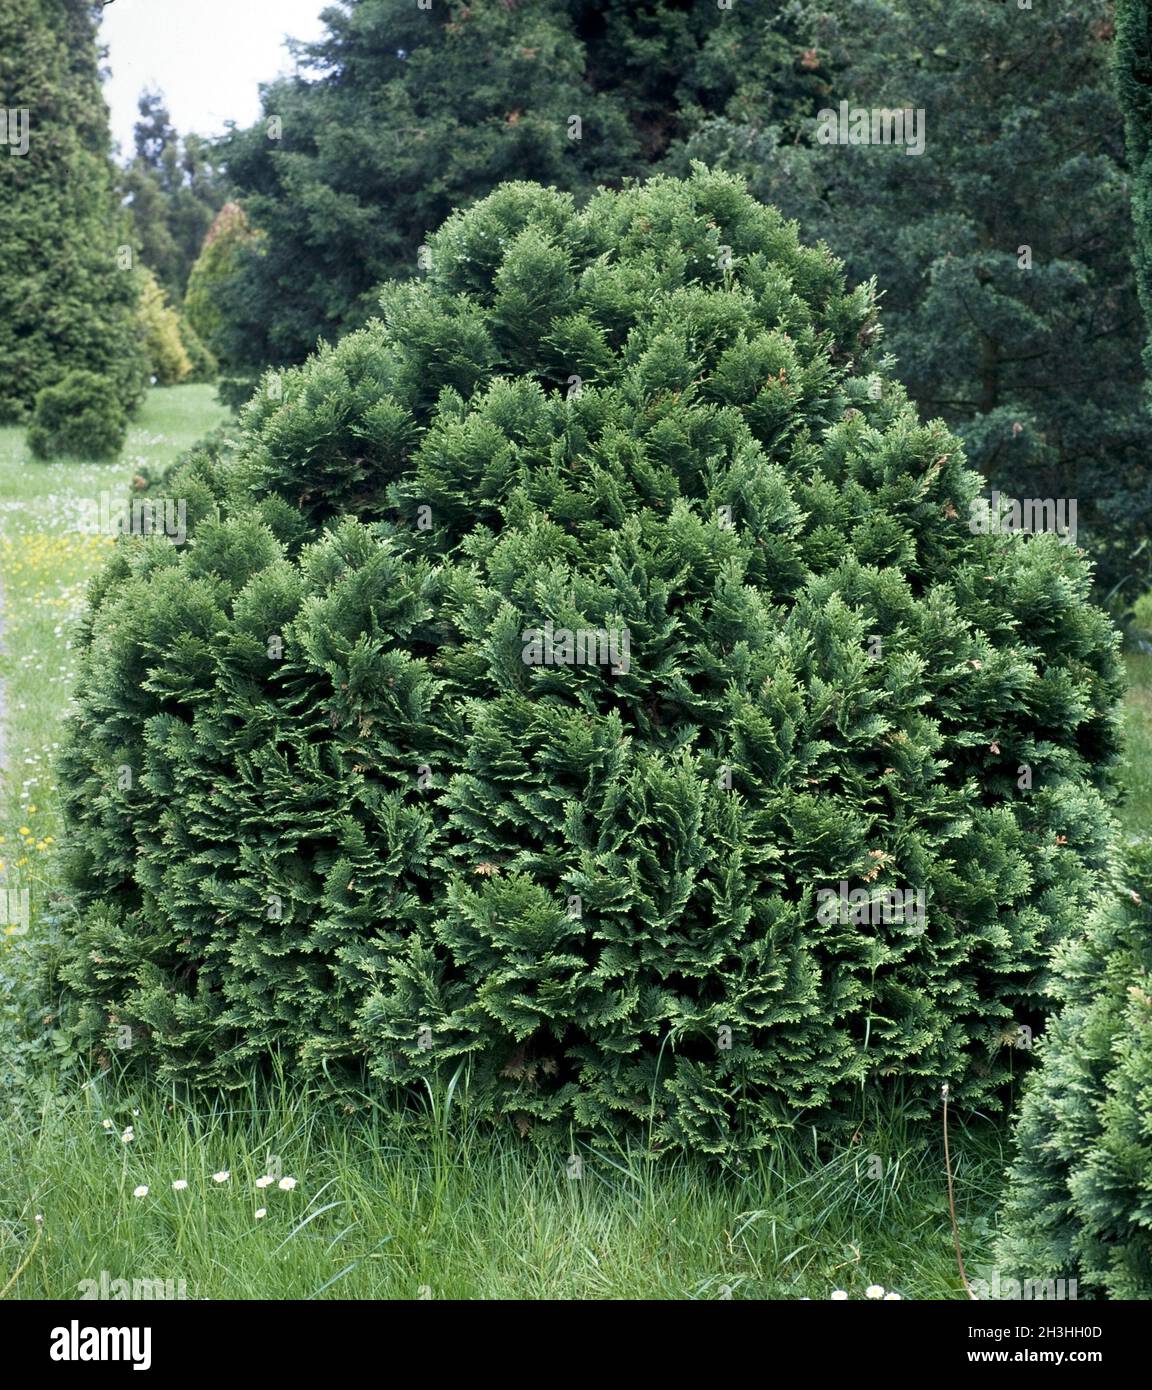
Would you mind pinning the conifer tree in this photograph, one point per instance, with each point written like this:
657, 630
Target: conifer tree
1080, 1190
67, 292
167, 354
592, 673
212, 280
404, 112
1003, 248
1134, 74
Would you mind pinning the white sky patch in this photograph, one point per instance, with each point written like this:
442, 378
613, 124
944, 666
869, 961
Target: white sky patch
208, 57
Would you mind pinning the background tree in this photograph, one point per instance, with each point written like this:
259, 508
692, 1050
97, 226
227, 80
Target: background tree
1003, 251
214, 281
1134, 77
169, 358
67, 294
407, 113
174, 191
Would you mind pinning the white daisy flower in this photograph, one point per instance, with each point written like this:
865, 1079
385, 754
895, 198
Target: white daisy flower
140, 1191
265, 1181
838, 1295
286, 1184
106, 1123
874, 1291
892, 1297
179, 1185
261, 1213
222, 1176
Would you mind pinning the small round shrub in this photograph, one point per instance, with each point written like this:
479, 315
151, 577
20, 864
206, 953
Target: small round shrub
324, 801
80, 417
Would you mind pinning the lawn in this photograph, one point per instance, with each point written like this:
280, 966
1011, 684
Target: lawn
366, 1200
46, 560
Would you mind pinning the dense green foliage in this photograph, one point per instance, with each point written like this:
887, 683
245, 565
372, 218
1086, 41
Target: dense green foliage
214, 272
67, 294
1080, 1200
319, 803
1003, 250
411, 112
79, 417
1134, 79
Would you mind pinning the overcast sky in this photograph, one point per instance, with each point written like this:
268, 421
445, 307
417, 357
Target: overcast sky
207, 56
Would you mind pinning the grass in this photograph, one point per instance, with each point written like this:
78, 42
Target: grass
390, 1205
393, 1208
46, 561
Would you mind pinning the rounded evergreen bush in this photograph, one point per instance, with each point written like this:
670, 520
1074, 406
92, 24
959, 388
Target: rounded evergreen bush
587, 674
81, 417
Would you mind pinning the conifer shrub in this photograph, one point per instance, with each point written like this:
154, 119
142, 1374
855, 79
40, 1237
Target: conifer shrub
80, 417
1079, 1202
212, 273
204, 366
163, 336
325, 800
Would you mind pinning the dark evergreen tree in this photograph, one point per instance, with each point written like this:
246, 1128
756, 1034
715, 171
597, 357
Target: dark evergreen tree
324, 800
1079, 1204
67, 292
1003, 250
1134, 75
413, 111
